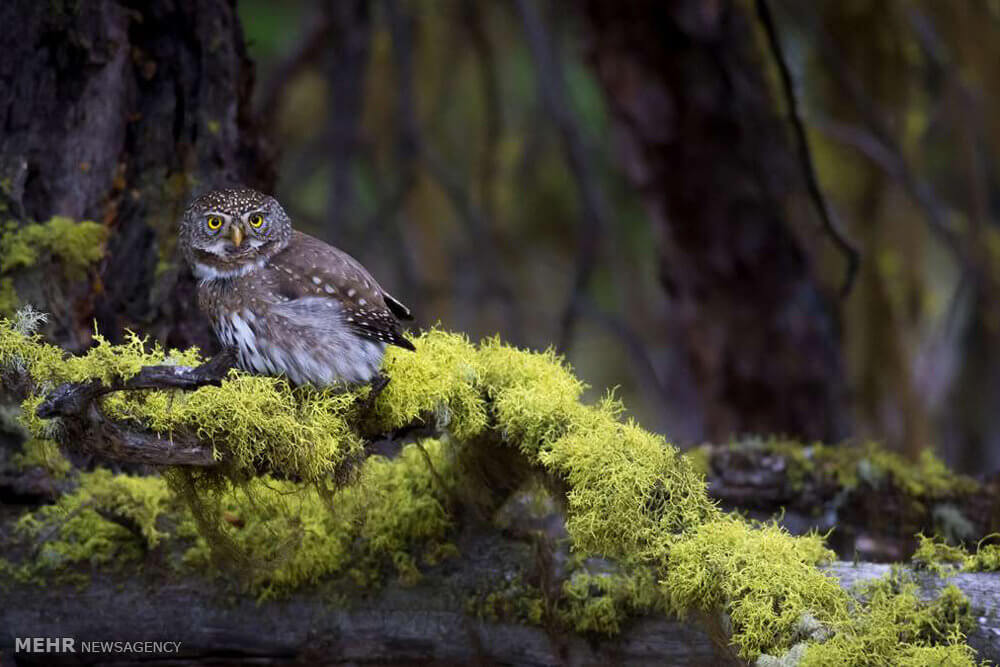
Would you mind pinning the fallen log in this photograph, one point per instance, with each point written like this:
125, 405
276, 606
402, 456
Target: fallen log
424, 623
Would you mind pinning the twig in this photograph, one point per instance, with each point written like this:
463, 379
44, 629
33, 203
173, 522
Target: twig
633, 344
445, 489
87, 427
805, 155
74, 399
879, 132
887, 157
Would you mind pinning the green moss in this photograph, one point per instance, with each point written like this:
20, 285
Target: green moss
75, 245
935, 555
630, 496
42, 453
295, 536
108, 519
895, 627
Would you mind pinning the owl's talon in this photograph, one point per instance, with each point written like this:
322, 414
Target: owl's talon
219, 365
375, 388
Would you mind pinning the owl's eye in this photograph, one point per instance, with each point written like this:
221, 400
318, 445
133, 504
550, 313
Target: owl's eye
256, 220
214, 222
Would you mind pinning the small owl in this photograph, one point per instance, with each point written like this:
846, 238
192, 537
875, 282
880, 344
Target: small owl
288, 303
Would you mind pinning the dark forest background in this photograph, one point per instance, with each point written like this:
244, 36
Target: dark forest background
750, 217
624, 181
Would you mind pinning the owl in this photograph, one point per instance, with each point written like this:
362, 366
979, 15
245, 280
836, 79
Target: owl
289, 304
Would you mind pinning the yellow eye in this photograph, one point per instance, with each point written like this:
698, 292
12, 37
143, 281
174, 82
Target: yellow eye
214, 222
256, 220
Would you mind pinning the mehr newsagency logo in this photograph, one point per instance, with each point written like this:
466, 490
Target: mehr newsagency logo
71, 645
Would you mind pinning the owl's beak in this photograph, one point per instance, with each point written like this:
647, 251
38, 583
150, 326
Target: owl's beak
237, 233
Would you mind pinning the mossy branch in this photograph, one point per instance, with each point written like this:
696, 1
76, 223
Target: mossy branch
83, 420
628, 495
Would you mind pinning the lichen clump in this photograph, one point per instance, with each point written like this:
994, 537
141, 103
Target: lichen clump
75, 245
891, 625
109, 519
630, 496
927, 478
943, 559
392, 515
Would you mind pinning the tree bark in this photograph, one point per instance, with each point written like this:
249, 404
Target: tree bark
423, 624
701, 138
119, 112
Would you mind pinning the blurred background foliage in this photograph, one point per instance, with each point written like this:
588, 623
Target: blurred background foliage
416, 136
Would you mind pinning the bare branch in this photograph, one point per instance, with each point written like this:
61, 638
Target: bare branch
805, 155
888, 158
479, 39
876, 140
84, 426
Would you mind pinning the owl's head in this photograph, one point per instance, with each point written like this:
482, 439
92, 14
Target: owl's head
227, 233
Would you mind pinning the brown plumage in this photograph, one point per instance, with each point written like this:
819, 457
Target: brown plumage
289, 303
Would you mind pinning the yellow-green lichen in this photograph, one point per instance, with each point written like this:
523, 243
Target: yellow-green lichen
926, 478
250, 420
76, 245
512, 602
108, 519
764, 579
294, 536
630, 496
42, 453
253, 422
8, 297
439, 381
894, 626
937, 556
602, 603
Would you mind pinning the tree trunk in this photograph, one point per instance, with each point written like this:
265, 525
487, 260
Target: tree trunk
701, 138
119, 112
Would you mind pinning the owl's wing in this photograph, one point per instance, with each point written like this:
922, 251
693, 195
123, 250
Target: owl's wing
308, 269
397, 307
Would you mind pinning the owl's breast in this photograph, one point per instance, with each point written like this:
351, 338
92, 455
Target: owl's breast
268, 342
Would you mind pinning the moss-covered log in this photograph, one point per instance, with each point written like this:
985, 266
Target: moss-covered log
874, 501
297, 502
423, 623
